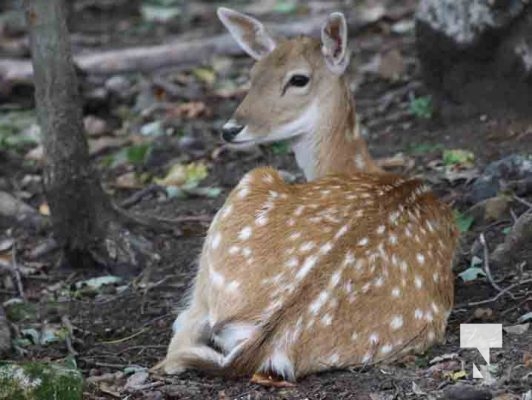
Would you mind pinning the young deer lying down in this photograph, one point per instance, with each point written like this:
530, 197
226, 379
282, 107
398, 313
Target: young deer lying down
352, 268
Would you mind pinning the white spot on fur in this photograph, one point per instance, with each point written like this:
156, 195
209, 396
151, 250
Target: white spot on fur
233, 286
226, 211
292, 262
392, 239
374, 338
418, 314
396, 322
245, 233
396, 292
216, 239
246, 251
341, 231
306, 247
354, 336
326, 319
420, 258
217, 279
316, 305
333, 359
418, 281
349, 258
294, 236
335, 278
308, 264
363, 241
234, 249
386, 348
366, 358
326, 248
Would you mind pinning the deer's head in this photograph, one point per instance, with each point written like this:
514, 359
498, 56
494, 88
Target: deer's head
290, 82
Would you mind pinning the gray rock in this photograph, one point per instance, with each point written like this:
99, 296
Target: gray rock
478, 52
466, 392
466, 21
488, 184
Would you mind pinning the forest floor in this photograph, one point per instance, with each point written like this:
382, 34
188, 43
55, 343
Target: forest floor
139, 126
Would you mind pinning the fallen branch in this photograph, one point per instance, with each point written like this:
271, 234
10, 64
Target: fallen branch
180, 52
497, 296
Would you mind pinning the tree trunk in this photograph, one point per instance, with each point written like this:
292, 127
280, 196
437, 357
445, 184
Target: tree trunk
77, 202
87, 226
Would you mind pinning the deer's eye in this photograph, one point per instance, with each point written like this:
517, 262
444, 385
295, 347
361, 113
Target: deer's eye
299, 80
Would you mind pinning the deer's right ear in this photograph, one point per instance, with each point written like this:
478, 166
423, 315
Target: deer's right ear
334, 43
249, 33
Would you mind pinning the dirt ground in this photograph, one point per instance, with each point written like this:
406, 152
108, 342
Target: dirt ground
129, 324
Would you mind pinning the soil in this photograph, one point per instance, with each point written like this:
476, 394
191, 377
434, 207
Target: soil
132, 327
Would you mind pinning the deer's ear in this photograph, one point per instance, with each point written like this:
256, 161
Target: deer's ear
249, 33
334, 43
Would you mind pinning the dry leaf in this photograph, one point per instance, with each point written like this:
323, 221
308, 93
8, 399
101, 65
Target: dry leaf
44, 209
483, 313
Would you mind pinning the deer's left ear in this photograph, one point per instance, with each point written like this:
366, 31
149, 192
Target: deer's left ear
334, 43
248, 32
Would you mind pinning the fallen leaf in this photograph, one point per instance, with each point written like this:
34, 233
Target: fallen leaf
483, 313
495, 207
6, 244
206, 75
527, 359
458, 375
127, 181
96, 283
463, 221
184, 174
525, 318
94, 126
458, 157
190, 110
97, 146
44, 209
136, 380
471, 274
391, 65
516, 329
417, 390
153, 129
35, 154
443, 357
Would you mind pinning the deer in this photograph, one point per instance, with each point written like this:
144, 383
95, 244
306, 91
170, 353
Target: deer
351, 268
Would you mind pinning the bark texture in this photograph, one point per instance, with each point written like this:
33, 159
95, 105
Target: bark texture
80, 210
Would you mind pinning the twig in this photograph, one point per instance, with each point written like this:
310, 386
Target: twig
496, 297
523, 201
138, 196
68, 339
487, 265
16, 271
125, 339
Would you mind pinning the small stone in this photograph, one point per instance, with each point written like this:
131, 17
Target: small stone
94, 126
466, 392
117, 84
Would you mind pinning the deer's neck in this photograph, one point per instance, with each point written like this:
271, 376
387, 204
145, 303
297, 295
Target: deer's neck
335, 145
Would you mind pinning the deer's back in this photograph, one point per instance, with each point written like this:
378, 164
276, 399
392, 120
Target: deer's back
341, 252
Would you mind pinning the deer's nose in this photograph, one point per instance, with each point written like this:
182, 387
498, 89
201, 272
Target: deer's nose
230, 130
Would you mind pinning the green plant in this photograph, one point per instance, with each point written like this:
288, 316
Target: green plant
421, 107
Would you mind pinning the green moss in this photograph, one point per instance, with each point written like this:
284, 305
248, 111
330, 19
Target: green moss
21, 311
36, 381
